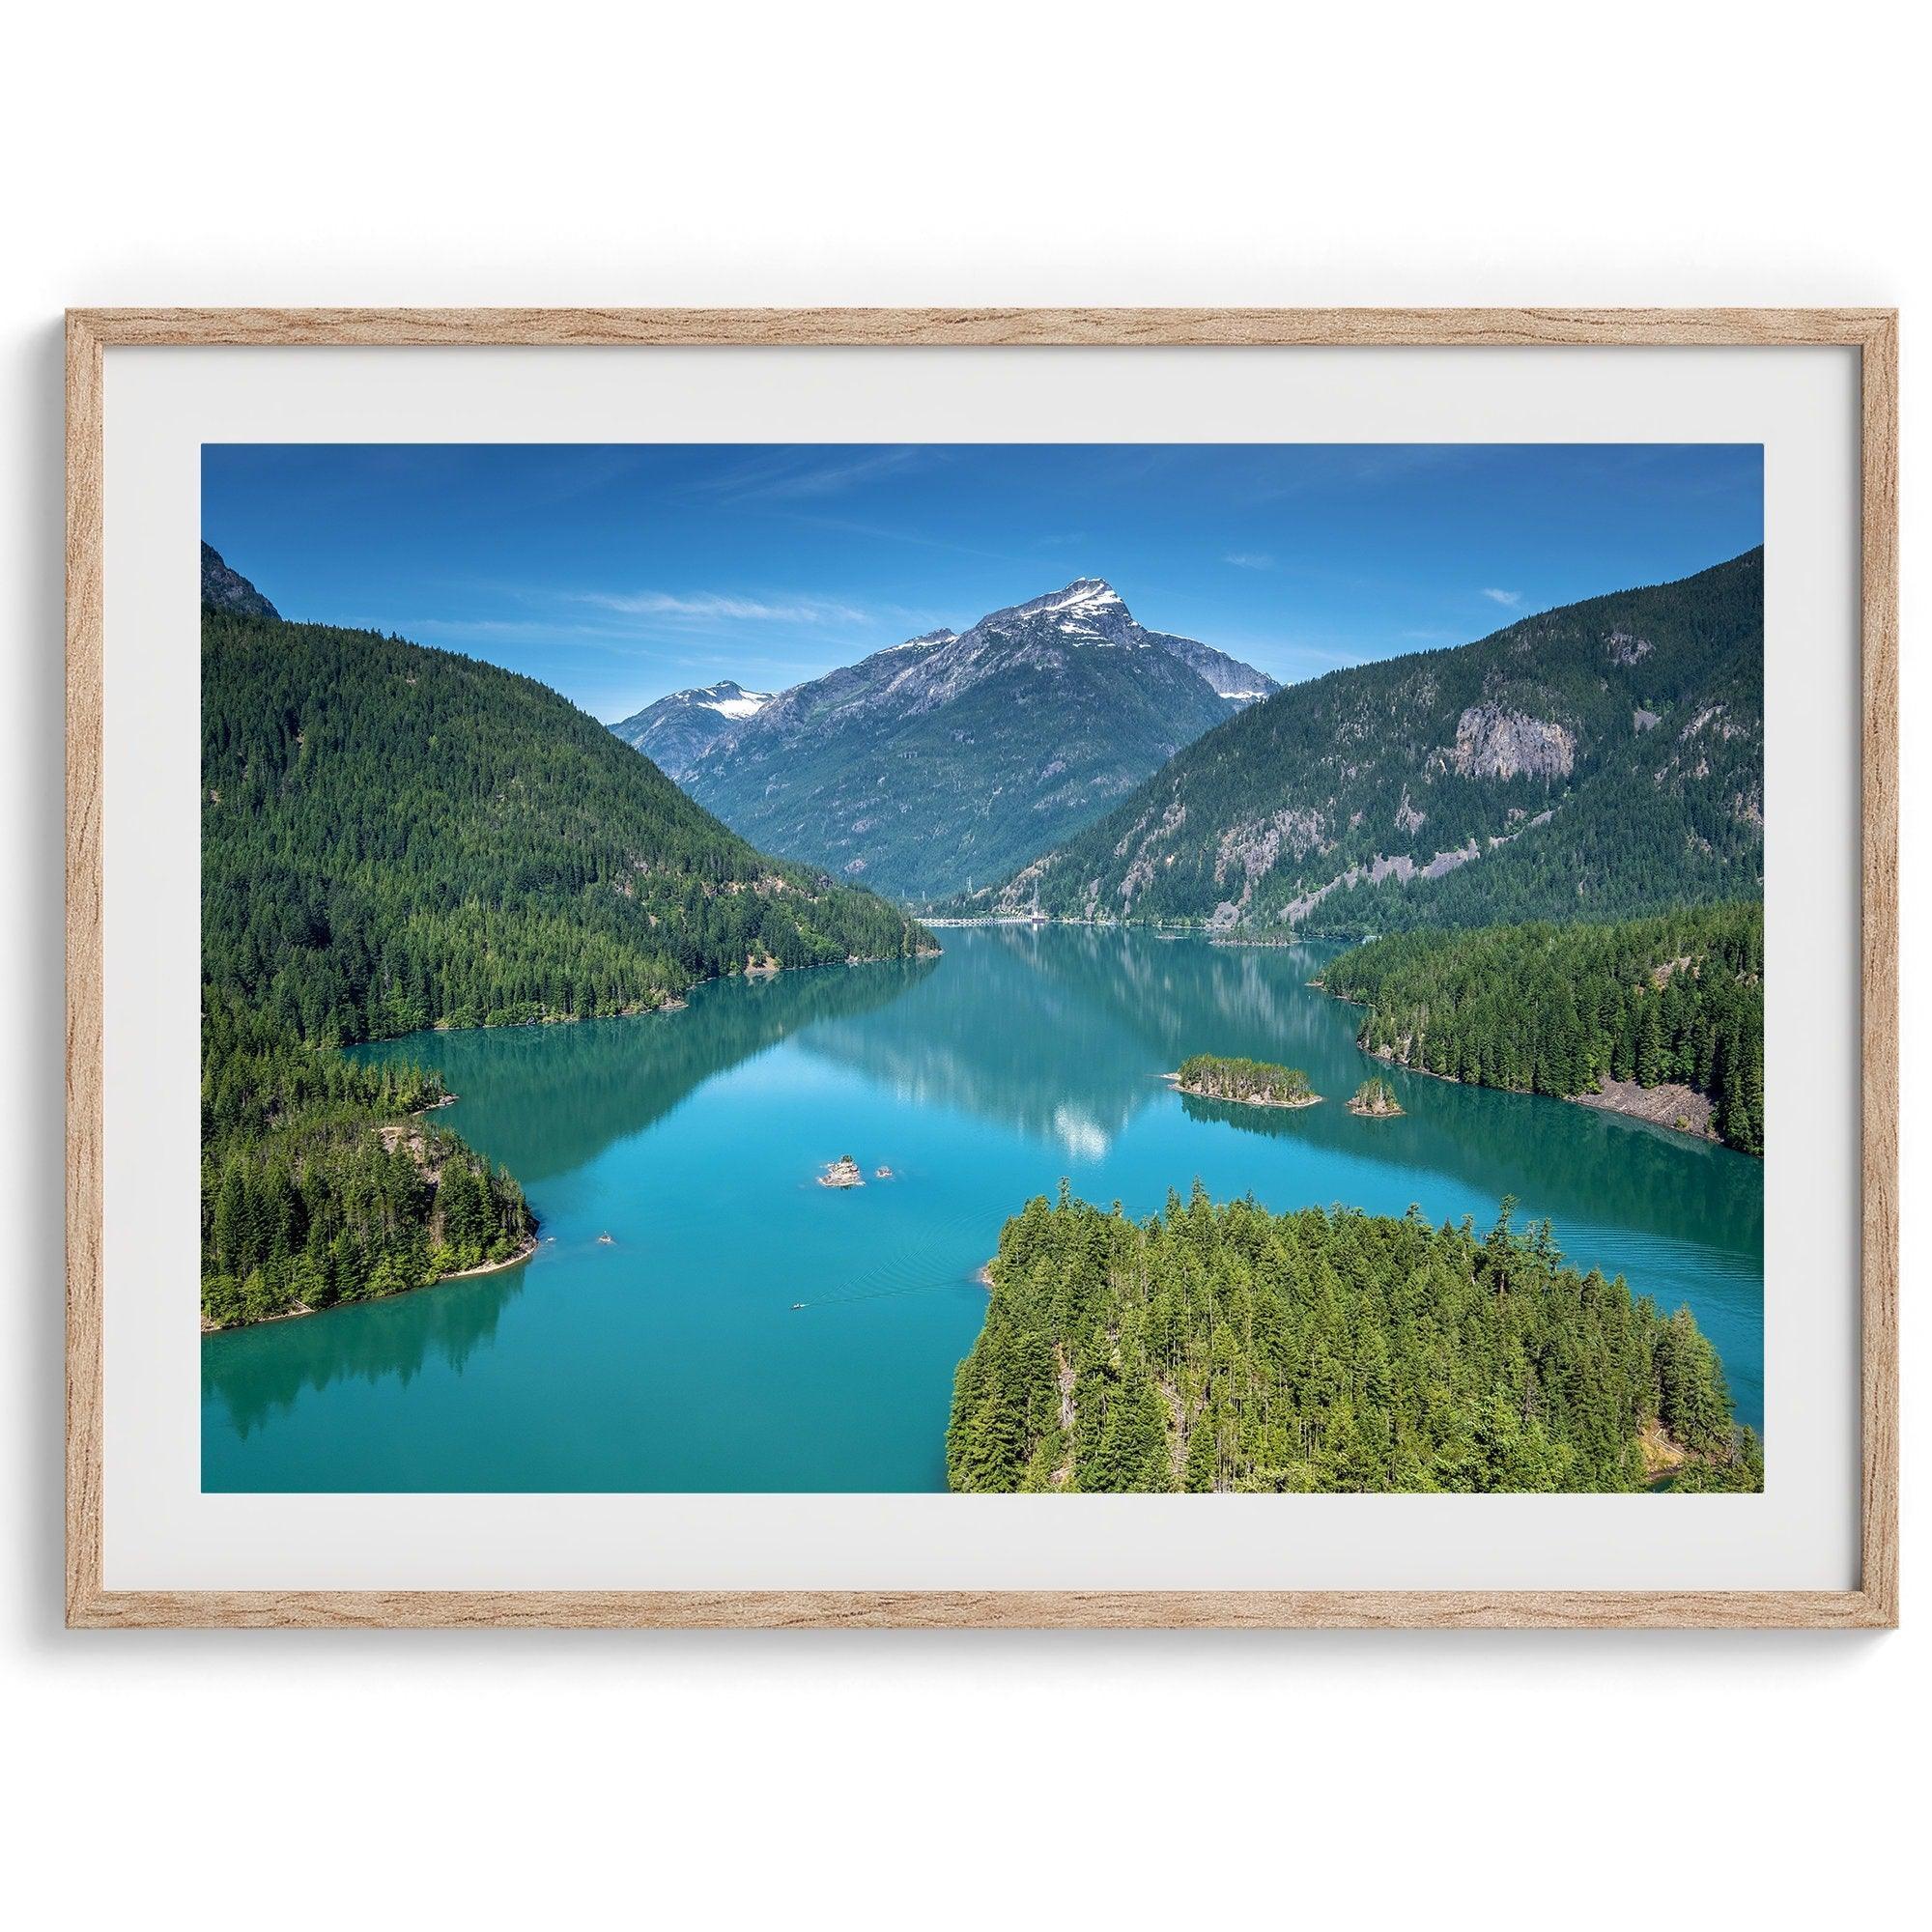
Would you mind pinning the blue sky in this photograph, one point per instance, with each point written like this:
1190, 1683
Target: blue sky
619, 573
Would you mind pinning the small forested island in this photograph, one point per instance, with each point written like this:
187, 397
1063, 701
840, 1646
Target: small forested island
843, 1172
396, 838
1221, 1348
1374, 1100
1254, 1083
1661, 1017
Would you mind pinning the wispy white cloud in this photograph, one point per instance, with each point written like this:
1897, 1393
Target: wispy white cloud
846, 527
1249, 559
1508, 599
793, 473
559, 637
1321, 656
722, 607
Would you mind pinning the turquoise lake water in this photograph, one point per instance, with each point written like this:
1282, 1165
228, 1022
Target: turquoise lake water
671, 1357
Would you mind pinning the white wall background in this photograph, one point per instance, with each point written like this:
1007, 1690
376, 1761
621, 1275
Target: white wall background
844, 153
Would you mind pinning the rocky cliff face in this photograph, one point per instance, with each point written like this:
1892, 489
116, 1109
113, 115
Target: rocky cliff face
225, 589
1492, 743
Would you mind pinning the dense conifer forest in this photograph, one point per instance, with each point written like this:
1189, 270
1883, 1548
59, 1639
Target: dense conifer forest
1225, 1347
395, 838
1559, 1009
1258, 1082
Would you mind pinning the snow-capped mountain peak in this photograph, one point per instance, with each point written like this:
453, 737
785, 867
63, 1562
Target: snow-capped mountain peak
1088, 610
1092, 592
729, 699
1084, 593
925, 641
677, 730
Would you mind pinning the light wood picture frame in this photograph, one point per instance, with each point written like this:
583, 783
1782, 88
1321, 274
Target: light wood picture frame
1872, 333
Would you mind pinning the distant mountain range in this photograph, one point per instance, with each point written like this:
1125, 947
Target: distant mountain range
1601, 760
948, 760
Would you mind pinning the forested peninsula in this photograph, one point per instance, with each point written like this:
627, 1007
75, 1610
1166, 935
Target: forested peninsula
1218, 1347
1662, 1017
396, 838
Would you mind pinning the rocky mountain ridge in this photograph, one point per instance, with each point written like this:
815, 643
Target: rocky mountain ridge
225, 589
1603, 758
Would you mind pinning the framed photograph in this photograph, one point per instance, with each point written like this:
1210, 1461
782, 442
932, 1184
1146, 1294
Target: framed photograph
997, 968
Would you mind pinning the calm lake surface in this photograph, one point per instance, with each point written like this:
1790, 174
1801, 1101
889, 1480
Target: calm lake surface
671, 1357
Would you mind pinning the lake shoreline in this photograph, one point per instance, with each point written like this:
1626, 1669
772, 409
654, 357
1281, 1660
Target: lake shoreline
1658, 1107
1241, 1100
525, 1250
675, 1003
1655, 1106
1161, 930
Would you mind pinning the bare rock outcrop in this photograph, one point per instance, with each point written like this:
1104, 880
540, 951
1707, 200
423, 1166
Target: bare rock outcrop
1255, 846
1492, 743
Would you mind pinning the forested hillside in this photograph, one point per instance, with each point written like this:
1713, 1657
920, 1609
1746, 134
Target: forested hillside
1598, 760
1677, 999
1225, 1347
395, 838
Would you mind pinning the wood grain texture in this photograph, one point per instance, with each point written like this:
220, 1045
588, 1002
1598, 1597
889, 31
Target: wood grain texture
1875, 1603
986, 1609
1042, 327
1879, 966
83, 1052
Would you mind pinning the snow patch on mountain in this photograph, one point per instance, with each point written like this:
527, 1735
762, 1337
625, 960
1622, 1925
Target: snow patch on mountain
728, 700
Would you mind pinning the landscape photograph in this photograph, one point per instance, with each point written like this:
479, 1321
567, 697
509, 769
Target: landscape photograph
996, 968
